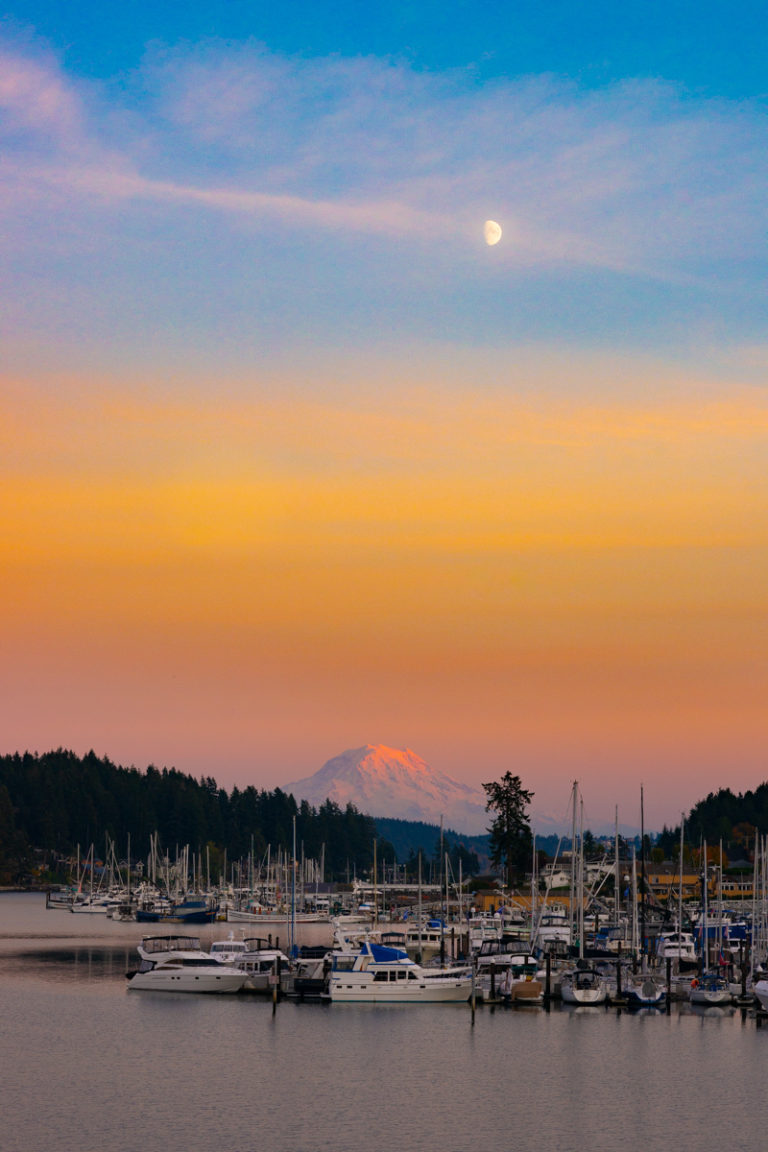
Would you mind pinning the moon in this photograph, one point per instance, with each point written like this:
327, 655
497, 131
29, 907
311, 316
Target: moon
492, 232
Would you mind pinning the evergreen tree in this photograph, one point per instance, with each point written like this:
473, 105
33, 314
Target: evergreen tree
511, 841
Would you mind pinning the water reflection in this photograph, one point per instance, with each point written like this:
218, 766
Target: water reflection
71, 964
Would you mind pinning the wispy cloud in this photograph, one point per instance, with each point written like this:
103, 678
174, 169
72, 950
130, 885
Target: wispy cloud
234, 190
633, 176
37, 103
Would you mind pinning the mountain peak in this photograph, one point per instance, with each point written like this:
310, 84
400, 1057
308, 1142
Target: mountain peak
394, 782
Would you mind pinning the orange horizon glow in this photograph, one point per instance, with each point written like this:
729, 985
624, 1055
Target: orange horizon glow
577, 585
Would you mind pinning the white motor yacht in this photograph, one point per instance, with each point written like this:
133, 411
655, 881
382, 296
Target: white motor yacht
228, 951
379, 975
424, 941
679, 947
261, 960
178, 964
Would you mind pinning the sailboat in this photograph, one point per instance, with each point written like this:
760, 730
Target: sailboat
584, 983
709, 987
641, 990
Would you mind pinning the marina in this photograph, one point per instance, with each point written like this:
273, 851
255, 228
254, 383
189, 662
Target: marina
585, 945
95, 1067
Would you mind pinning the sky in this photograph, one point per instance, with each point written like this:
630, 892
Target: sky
292, 461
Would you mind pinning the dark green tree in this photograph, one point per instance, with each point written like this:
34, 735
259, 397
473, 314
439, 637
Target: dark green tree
461, 856
511, 842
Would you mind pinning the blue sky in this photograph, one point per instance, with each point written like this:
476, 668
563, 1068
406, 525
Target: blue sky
711, 49
246, 179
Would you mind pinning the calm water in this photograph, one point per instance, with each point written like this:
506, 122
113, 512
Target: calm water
88, 1067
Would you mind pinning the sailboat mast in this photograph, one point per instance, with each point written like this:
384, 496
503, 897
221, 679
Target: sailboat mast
420, 912
581, 878
642, 874
705, 912
634, 902
616, 875
680, 890
293, 892
573, 860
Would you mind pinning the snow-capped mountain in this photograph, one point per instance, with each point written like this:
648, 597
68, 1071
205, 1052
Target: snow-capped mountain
396, 783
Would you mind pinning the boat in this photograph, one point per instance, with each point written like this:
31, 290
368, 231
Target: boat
644, 992
379, 975
124, 911
254, 912
178, 964
679, 947
393, 939
481, 928
425, 941
93, 905
62, 897
760, 991
189, 911
311, 970
521, 983
503, 966
262, 961
583, 984
710, 989
228, 951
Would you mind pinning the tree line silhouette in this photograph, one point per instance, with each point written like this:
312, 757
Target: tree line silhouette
734, 818
57, 800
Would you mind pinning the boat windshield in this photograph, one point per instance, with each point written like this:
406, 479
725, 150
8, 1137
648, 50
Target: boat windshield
153, 944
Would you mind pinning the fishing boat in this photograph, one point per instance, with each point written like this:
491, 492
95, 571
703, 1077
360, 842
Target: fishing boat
379, 975
258, 914
178, 964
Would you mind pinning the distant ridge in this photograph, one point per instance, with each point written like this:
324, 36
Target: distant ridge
396, 783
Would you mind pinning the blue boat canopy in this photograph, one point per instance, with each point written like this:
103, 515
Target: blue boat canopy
382, 954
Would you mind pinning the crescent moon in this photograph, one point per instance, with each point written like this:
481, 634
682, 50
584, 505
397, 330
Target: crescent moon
492, 232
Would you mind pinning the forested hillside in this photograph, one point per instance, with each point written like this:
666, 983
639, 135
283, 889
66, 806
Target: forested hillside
734, 818
58, 800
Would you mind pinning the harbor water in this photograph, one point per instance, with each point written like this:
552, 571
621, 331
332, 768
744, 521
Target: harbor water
89, 1067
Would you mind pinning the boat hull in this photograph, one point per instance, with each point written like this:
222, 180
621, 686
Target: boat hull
645, 994
358, 992
193, 916
208, 982
583, 987
710, 992
279, 919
